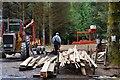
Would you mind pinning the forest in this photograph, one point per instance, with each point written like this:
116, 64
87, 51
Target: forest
64, 17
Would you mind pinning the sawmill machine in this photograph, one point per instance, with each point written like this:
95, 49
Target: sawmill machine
89, 33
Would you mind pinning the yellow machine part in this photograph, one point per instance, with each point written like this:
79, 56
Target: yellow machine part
38, 41
18, 42
32, 43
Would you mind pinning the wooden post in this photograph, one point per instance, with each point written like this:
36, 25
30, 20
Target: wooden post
83, 71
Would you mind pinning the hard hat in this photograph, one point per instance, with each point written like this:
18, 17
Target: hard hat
57, 33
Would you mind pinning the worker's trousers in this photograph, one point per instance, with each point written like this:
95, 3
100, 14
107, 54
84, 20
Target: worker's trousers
56, 47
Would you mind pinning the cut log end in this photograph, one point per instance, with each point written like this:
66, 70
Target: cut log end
43, 74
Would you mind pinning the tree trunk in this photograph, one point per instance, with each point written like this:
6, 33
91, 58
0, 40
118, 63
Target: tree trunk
1, 8
50, 24
43, 30
23, 16
113, 30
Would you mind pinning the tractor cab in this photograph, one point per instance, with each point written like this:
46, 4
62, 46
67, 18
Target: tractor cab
12, 26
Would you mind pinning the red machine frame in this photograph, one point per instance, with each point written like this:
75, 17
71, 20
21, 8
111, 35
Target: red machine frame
90, 41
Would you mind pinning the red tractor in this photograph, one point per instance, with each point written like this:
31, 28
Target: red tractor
15, 38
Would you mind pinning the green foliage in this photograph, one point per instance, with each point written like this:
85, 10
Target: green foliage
100, 14
80, 18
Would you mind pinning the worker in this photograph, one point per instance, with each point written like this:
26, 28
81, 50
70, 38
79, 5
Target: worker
57, 42
99, 44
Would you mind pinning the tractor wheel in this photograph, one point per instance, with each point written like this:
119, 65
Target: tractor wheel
23, 51
3, 55
38, 52
27, 52
27, 49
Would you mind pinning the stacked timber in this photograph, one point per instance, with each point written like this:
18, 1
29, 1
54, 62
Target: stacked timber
32, 62
29, 63
79, 58
46, 65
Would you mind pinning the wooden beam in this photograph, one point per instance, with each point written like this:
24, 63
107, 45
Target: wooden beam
43, 71
88, 57
82, 64
26, 62
83, 71
51, 67
48, 67
33, 61
76, 65
101, 54
77, 55
42, 60
53, 58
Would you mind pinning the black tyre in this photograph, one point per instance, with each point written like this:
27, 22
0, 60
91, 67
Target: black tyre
27, 48
38, 52
28, 55
23, 51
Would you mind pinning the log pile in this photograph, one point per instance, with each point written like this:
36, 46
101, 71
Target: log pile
79, 58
